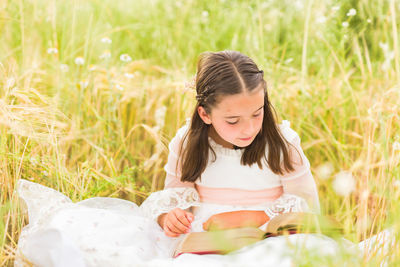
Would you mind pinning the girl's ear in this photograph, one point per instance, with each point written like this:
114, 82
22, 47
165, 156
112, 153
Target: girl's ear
203, 115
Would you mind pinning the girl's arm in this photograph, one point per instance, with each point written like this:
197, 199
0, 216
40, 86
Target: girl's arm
236, 219
300, 182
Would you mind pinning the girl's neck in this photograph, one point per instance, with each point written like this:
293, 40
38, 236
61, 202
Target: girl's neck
218, 139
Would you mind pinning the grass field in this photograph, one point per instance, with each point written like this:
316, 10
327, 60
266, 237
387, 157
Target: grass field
92, 91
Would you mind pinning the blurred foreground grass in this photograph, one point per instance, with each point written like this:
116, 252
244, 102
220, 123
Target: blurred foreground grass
92, 91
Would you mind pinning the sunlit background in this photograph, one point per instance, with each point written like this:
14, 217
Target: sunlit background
91, 92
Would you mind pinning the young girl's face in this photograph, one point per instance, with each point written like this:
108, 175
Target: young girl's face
236, 119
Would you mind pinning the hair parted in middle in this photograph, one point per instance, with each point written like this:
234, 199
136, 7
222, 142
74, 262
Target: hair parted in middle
222, 74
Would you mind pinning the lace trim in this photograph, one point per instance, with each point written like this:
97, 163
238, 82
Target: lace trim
221, 150
37, 198
287, 203
168, 199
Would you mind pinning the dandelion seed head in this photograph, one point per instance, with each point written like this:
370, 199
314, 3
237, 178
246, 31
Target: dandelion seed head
125, 58
344, 183
105, 55
298, 4
352, 12
79, 61
325, 170
106, 40
369, 20
52, 50
84, 84
205, 14
64, 67
321, 20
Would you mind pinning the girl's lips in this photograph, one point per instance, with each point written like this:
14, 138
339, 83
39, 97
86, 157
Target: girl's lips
245, 139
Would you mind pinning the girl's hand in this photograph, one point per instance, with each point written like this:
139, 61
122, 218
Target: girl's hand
236, 219
175, 222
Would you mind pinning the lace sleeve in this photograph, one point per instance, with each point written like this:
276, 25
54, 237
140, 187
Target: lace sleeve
287, 203
166, 200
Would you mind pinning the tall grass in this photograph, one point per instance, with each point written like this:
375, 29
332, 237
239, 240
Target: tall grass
101, 128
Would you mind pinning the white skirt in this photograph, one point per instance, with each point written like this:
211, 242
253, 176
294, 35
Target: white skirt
113, 232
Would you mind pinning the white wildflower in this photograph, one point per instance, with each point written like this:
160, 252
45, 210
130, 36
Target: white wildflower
324, 171
369, 20
92, 67
105, 55
352, 12
106, 40
344, 183
45, 173
84, 84
64, 67
335, 8
119, 87
79, 61
205, 14
129, 75
345, 24
396, 146
396, 184
125, 58
298, 4
321, 20
52, 50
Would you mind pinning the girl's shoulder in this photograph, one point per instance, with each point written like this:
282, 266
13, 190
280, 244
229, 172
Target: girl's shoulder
287, 132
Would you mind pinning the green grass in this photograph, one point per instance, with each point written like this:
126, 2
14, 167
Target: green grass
78, 132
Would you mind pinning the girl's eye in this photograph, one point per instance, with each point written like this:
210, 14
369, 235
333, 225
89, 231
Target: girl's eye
232, 122
258, 114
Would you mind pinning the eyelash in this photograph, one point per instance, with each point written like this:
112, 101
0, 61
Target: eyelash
233, 123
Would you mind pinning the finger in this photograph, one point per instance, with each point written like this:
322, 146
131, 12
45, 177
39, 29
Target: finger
181, 216
190, 217
206, 225
169, 233
181, 228
178, 229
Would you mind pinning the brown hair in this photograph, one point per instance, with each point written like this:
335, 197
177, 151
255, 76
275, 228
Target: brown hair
229, 73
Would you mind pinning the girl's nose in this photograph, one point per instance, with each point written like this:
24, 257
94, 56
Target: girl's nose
249, 128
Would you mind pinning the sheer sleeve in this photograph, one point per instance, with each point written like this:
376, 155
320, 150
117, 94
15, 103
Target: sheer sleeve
176, 194
299, 182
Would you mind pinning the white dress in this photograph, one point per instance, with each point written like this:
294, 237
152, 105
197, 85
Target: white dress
115, 232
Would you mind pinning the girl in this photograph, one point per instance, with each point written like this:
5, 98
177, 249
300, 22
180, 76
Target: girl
232, 156
230, 166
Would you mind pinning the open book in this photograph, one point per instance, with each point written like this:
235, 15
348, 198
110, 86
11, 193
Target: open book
225, 241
